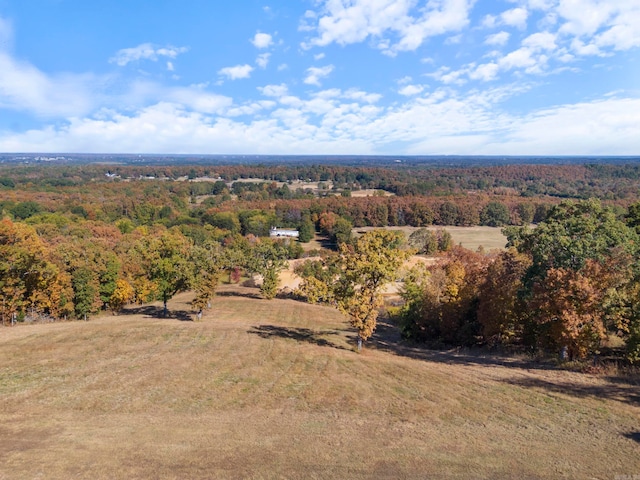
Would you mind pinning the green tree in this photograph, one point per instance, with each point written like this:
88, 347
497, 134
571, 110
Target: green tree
494, 214
413, 292
25, 210
572, 234
445, 241
448, 214
424, 241
268, 258
256, 222
224, 220
85, 288
208, 263
166, 263
219, 187
342, 231
355, 277
108, 276
526, 212
306, 230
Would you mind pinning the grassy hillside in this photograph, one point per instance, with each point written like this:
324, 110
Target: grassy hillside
273, 389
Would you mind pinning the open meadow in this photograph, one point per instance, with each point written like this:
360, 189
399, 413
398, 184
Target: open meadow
471, 238
274, 389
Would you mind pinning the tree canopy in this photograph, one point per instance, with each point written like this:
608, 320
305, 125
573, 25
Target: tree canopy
356, 275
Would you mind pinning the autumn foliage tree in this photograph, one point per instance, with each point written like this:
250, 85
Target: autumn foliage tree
441, 306
356, 275
208, 265
499, 304
582, 259
121, 296
27, 276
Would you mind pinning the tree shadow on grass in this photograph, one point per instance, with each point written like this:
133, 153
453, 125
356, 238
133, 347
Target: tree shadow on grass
238, 293
623, 388
611, 391
387, 338
635, 436
154, 311
297, 334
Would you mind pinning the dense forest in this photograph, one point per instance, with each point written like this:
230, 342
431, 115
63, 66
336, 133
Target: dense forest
78, 239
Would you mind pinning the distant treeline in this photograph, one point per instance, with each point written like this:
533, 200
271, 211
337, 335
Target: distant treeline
597, 180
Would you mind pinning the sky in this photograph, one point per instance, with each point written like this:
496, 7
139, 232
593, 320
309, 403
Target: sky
296, 77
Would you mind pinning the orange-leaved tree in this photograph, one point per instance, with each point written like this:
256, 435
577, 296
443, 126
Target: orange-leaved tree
26, 274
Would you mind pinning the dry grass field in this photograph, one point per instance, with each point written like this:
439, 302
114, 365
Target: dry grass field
273, 389
490, 238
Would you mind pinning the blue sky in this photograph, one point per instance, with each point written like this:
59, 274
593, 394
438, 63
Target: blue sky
487, 77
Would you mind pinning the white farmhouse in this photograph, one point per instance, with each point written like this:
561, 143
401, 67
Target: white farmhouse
276, 232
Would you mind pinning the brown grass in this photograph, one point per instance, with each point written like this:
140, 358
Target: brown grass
489, 238
273, 389
370, 192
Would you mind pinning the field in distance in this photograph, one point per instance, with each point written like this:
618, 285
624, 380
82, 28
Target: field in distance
273, 389
490, 238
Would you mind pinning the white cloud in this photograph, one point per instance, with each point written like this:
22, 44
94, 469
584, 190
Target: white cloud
499, 39
307, 20
543, 5
582, 49
516, 17
485, 72
145, 51
195, 119
449, 77
606, 127
529, 60
442, 122
540, 41
489, 21
521, 58
262, 40
354, 21
361, 96
621, 36
23, 87
291, 101
263, 60
600, 25
197, 100
274, 90
584, 17
315, 74
411, 90
329, 93
236, 72
250, 109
